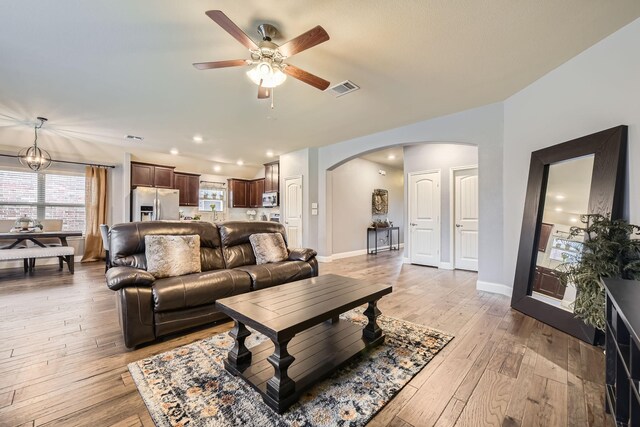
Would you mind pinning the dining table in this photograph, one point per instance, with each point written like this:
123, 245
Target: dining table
33, 236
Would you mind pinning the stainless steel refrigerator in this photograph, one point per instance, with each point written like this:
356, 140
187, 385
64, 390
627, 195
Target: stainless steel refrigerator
153, 204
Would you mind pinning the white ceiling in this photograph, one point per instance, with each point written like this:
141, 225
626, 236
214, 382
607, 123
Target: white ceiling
101, 69
393, 157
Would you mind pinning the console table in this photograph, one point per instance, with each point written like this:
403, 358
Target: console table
623, 351
374, 231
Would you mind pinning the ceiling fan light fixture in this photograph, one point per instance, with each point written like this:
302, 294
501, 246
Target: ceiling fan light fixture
269, 75
34, 157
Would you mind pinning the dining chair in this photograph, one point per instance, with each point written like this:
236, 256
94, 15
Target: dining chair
51, 225
104, 231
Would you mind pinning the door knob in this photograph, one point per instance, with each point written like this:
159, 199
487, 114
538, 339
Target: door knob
413, 224
459, 225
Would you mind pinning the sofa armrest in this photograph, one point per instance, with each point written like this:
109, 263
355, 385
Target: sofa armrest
301, 254
120, 277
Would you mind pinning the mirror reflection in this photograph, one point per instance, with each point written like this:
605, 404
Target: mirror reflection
566, 199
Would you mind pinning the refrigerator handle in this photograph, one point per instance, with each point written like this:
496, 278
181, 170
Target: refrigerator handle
159, 209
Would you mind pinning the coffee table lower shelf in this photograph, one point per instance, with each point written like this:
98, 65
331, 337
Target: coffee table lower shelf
318, 352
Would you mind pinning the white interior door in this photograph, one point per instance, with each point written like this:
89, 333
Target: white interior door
466, 219
293, 211
424, 218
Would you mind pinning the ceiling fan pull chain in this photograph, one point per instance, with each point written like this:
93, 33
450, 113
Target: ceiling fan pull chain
273, 90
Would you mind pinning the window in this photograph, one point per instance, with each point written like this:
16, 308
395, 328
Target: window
43, 196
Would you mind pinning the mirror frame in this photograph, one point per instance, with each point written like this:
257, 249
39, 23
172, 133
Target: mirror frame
606, 196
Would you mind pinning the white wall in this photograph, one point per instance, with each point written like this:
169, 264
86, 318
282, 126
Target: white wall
442, 157
352, 185
482, 127
596, 90
303, 163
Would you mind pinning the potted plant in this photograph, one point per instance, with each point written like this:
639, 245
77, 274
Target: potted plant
609, 252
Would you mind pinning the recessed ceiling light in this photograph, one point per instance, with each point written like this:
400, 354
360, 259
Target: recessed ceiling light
174, 151
216, 168
197, 139
558, 209
391, 157
240, 163
269, 153
560, 197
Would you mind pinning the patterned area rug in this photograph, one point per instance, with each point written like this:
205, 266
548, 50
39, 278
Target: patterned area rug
188, 386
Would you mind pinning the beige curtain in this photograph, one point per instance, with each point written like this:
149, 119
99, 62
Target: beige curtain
96, 210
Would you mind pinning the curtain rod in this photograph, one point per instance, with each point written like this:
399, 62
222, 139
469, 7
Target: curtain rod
66, 161
213, 182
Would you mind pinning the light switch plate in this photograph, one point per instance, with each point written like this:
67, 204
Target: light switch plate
314, 211
314, 206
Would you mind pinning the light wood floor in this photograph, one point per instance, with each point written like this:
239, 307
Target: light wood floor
63, 362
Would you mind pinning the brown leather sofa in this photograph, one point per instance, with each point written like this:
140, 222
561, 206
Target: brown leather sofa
150, 308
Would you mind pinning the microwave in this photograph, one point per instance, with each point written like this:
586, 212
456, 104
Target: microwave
270, 200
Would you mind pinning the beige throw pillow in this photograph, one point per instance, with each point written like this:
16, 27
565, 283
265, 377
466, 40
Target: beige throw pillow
169, 256
268, 247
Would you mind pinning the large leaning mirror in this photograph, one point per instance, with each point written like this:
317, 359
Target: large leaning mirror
577, 177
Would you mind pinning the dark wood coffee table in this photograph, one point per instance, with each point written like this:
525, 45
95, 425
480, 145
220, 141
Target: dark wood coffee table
309, 341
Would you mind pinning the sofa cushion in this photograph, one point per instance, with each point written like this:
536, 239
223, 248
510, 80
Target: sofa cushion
267, 275
169, 256
198, 289
234, 237
268, 247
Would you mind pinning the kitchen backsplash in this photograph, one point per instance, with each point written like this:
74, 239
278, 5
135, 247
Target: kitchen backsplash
231, 214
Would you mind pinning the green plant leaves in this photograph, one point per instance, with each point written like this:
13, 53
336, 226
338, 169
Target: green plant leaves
609, 251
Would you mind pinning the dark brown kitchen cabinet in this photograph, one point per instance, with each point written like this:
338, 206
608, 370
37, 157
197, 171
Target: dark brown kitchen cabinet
238, 193
271, 177
547, 282
545, 233
163, 177
148, 175
189, 186
256, 188
142, 175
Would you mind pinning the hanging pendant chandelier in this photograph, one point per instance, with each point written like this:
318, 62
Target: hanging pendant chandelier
34, 157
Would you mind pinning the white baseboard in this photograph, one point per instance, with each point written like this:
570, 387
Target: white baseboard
349, 254
494, 288
39, 261
445, 266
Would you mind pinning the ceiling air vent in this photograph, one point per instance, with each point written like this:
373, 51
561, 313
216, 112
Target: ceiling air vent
344, 88
133, 138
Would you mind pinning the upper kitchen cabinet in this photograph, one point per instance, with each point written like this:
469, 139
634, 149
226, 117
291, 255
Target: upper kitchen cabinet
148, 175
271, 177
189, 186
163, 177
238, 193
142, 175
256, 188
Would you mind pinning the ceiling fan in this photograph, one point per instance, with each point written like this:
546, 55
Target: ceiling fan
268, 58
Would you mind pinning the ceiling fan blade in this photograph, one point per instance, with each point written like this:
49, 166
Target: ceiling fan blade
227, 24
263, 92
220, 64
306, 77
311, 38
